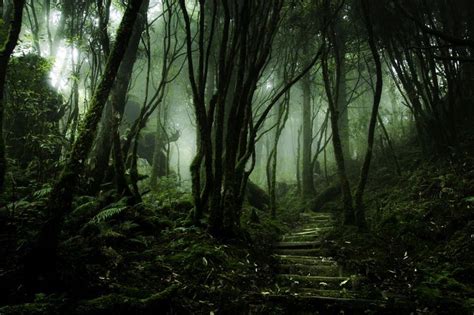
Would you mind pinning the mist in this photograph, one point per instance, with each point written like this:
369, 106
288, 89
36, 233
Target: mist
236, 157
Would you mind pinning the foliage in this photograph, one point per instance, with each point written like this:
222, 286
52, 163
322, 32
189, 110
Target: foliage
420, 233
121, 257
110, 211
32, 117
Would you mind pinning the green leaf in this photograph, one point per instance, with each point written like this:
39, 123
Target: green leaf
107, 213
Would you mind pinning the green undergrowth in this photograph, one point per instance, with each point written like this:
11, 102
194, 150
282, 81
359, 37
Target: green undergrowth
421, 230
146, 259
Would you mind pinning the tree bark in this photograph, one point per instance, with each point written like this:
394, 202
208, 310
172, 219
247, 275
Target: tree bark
342, 106
359, 206
43, 256
116, 105
349, 217
5, 53
307, 167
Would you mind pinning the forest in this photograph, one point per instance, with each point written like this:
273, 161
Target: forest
236, 157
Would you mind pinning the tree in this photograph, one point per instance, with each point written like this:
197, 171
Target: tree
43, 256
115, 108
307, 183
5, 53
332, 93
359, 207
281, 118
349, 217
243, 51
353, 213
426, 61
227, 128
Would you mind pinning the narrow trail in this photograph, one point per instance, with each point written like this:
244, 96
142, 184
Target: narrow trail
311, 282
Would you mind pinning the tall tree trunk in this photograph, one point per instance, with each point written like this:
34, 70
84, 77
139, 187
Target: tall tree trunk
42, 259
5, 53
342, 106
281, 120
359, 206
116, 105
349, 217
307, 169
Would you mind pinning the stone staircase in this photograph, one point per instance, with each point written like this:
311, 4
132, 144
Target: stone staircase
311, 282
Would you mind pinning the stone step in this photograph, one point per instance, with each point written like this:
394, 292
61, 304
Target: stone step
304, 245
300, 238
316, 214
317, 233
308, 260
300, 252
343, 293
319, 224
328, 270
312, 229
314, 282
316, 219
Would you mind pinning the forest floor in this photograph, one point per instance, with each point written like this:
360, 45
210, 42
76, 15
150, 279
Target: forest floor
117, 259
421, 230
121, 259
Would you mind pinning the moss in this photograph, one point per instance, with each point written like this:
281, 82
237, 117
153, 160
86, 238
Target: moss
420, 242
30, 309
124, 304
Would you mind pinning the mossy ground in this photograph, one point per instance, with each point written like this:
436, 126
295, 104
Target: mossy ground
421, 229
121, 259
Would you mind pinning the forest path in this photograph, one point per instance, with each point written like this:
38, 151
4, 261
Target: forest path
311, 282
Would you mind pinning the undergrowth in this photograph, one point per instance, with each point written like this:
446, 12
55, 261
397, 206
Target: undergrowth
121, 259
421, 228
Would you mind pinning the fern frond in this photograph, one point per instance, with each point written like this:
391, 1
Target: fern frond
107, 213
43, 192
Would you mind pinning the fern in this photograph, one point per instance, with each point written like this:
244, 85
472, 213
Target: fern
42, 193
107, 213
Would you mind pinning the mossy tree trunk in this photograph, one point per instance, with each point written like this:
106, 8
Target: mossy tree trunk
224, 121
43, 256
227, 128
5, 53
113, 115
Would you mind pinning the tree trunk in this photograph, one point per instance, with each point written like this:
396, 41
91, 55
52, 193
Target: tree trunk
359, 206
342, 105
116, 105
349, 217
42, 259
5, 53
283, 112
307, 169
